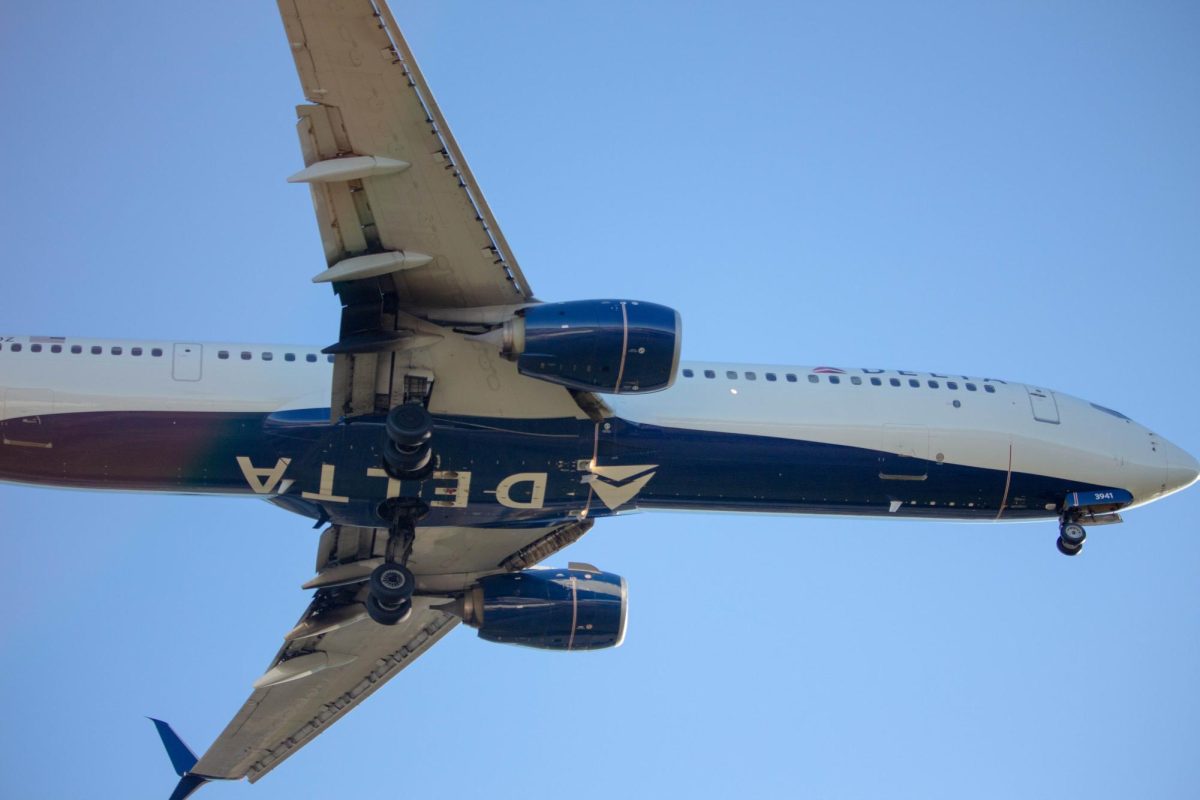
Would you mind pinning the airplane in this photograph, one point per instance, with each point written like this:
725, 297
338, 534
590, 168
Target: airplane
473, 432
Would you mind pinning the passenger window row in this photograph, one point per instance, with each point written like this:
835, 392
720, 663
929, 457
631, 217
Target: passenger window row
96, 350
267, 355
855, 380
155, 352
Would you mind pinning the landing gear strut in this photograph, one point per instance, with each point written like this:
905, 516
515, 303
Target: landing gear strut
1071, 536
391, 585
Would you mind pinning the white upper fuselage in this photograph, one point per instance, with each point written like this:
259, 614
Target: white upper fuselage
949, 419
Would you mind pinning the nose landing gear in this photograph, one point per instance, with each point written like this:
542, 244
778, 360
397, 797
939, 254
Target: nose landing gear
1071, 536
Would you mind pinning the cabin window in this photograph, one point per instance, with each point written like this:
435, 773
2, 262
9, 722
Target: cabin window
876, 382
813, 379
267, 356
857, 381
987, 387
35, 348
971, 387
894, 381
329, 359
770, 376
56, 348
116, 351
222, 354
687, 373
156, 352
731, 374
790, 378
914, 383
97, 350
951, 385
834, 379
76, 349
751, 376
16, 348
310, 358
135, 351
292, 357
245, 355
933, 384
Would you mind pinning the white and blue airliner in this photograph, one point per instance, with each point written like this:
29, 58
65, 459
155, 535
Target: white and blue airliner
460, 431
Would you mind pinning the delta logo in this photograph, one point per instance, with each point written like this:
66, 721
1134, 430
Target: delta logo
829, 371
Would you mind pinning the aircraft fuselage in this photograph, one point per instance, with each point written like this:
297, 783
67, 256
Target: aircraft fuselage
182, 417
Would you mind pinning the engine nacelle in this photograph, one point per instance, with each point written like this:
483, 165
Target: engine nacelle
551, 609
609, 346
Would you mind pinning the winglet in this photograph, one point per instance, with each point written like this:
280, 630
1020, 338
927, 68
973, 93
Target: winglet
182, 759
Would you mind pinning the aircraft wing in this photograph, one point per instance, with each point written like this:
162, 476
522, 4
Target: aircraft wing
336, 656
373, 111
420, 267
279, 719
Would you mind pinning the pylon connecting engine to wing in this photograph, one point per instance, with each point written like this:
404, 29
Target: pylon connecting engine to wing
608, 346
577, 608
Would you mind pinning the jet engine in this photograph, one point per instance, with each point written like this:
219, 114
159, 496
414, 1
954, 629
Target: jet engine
578, 608
609, 346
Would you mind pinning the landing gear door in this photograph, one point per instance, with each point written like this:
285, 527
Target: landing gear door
187, 361
1045, 407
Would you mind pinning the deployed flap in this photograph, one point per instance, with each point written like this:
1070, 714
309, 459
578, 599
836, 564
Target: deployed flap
373, 102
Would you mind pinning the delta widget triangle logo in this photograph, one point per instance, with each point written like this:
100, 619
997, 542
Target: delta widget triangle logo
617, 485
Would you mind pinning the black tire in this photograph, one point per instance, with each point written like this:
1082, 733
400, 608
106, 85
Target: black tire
1072, 534
413, 466
388, 615
1068, 550
409, 424
391, 583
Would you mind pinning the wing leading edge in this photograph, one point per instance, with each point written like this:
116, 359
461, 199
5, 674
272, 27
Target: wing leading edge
417, 196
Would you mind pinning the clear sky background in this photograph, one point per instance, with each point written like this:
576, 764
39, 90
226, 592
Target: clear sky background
1008, 189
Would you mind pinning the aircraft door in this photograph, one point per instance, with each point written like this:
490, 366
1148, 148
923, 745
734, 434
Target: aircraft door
1045, 407
21, 412
188, 360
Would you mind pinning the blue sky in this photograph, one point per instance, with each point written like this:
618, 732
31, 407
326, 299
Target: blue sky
1009, 189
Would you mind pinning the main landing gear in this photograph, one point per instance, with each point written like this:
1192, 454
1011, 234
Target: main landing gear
391, 585
407, 455
1071, 536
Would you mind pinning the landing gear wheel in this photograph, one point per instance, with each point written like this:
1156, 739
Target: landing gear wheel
1070, 538
409, 424
408, 452
388, 614
408, 462
391, 583
1068, 550
1072, 534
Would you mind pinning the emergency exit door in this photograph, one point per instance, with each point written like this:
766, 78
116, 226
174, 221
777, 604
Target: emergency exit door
1045, 407
187, 362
